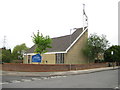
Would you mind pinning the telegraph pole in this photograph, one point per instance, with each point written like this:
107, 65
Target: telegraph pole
4, 41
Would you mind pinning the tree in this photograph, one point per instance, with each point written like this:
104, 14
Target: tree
18, 51
116, 54
6, 55
95, 45
41, 42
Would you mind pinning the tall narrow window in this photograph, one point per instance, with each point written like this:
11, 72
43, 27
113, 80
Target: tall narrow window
28, 58
59, 58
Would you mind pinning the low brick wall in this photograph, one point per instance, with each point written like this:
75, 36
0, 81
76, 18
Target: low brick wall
49, 67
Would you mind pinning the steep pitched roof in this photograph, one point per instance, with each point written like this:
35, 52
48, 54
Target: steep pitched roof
60, 44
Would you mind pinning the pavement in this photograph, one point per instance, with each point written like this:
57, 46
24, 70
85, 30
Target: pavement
75, 72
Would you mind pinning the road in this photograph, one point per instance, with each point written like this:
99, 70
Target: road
103, 79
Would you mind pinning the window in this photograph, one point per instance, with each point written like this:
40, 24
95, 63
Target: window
59, 58
29, 58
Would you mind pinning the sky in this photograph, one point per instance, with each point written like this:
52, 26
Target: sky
20, 18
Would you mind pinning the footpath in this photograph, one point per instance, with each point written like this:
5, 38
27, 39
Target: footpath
62, 73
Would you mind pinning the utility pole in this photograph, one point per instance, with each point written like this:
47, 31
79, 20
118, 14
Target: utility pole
4, 41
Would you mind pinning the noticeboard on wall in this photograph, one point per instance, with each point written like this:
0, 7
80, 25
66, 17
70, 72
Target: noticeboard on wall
37, 58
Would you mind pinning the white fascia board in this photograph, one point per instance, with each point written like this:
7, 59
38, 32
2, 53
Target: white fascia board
46, 53
56, 52
76, 40
29, 53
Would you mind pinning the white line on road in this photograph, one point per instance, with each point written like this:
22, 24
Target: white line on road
15, 81
116, 88
26, 80
53, 77
5, 83
45, 78
36, 79
64, 76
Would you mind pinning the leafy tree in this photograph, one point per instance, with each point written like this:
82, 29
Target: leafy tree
41, 42
18, 51
116, 54
6, 55
95, 45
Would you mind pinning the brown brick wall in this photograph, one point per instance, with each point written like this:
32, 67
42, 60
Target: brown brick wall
48, 67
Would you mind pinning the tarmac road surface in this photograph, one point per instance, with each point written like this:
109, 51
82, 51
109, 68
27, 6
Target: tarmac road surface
103, 79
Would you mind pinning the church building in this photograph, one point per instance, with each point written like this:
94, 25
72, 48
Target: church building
65, 50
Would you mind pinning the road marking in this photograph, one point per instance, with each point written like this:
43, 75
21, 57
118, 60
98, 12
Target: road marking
25, 80
46, 77
1, 83
5, 83
39, 79
53, 77
36, 79
32, 79
15, 81
64, 76
116, 88
58, 76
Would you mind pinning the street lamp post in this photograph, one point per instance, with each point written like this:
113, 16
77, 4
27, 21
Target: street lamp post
112, 60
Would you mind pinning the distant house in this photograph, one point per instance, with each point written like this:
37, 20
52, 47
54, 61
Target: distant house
65, 49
